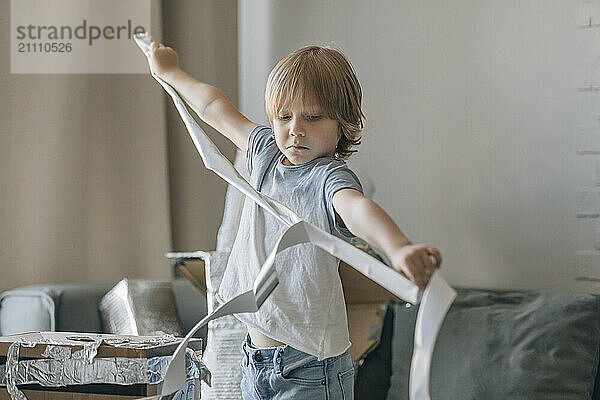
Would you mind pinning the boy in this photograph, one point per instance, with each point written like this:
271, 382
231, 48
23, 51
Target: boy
297, 343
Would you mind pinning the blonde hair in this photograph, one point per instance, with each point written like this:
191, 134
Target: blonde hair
324, 77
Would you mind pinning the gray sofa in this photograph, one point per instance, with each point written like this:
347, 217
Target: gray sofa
493, 344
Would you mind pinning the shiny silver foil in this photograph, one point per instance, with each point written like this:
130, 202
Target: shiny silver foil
140, 307
65, 367
56, 373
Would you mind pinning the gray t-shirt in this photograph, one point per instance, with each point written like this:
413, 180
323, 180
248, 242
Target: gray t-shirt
307, 309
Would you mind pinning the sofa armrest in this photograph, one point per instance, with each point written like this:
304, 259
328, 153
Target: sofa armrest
53, 307
37, 306
74, 307
191, 306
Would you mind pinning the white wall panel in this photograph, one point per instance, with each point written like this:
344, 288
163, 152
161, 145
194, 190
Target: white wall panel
473, 111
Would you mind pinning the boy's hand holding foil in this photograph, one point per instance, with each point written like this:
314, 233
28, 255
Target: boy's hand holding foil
207, 101
365, 219
164, 60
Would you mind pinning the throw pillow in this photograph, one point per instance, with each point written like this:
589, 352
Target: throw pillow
506, 345
140, 307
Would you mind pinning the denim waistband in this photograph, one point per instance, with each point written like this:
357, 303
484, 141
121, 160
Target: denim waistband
282, 358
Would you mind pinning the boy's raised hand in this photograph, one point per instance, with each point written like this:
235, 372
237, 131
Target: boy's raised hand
164, 59
414, 261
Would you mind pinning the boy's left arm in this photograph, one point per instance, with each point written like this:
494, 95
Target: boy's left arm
365, 219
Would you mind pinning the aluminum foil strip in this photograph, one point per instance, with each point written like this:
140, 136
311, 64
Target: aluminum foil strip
146, 343
12, 366
89, 351
57, 352
54, 340
91, 340
437, 297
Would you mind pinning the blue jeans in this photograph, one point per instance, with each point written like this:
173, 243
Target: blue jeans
286, 373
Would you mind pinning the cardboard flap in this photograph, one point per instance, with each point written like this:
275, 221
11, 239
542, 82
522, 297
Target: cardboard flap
191, 265
365, 322
358, 289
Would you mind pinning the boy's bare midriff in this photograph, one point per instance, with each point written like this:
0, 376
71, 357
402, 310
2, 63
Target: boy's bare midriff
261, 341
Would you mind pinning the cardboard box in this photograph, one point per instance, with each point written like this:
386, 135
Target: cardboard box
365, 306
49, 395
131, 347
191, 265
36, 392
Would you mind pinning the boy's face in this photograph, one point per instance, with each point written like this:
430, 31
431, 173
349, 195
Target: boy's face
303, 133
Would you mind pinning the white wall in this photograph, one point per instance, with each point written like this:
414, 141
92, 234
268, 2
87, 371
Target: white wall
472, 112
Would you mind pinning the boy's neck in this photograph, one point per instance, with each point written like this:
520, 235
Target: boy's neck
286, 162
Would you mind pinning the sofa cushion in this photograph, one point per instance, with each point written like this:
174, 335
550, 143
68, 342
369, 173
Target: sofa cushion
506, 345
191, 306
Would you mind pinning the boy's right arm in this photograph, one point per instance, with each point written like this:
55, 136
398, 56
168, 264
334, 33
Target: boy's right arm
207, 101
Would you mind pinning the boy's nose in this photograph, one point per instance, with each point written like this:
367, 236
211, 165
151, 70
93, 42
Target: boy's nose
296, 130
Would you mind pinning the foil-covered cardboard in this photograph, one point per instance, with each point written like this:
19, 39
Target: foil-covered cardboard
64, 359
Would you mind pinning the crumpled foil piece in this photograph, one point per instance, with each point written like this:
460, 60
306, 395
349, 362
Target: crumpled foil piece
57, 352
140, 344
12, 365
57, 373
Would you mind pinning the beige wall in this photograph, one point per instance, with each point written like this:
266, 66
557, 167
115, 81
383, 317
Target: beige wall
98, 177
204, 33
